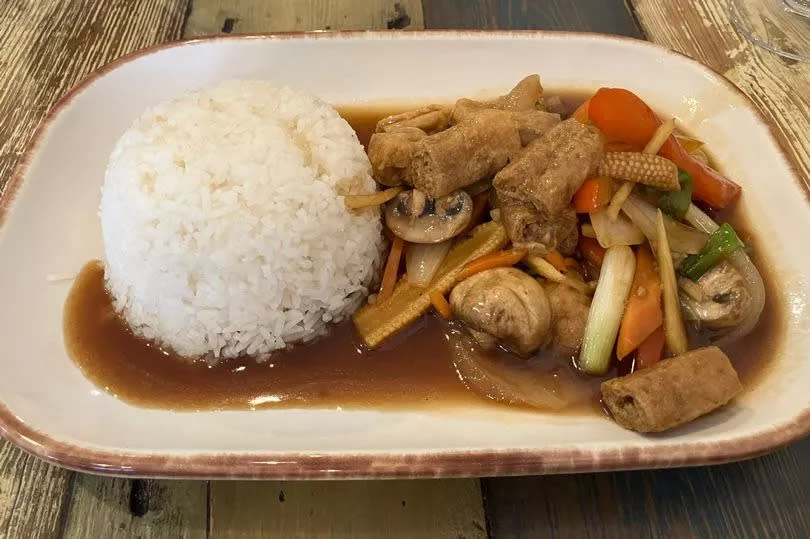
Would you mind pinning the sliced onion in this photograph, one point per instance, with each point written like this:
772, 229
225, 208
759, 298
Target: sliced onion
423, 259
620, 231
499, 381
682, 238
742, 262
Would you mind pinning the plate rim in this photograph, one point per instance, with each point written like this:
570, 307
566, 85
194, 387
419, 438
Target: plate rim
364, 464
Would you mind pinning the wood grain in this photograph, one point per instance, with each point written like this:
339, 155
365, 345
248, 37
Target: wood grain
111, 508
45, 48
426, 508
256, 16
766, 497
777, 86
608, 16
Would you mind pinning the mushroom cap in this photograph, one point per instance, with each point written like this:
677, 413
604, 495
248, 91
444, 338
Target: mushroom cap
437, 220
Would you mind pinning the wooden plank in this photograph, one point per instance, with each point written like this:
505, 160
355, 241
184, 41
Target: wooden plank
766, 497
111, 508
256, 16
777, 86
426, 508
608, 16
45, 48
33, 495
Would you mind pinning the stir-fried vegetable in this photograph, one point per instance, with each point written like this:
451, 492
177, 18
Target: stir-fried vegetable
440, 303
503, 382
642, 168
659, 137
651, 350
740, 260
682, 239
593, 194
557, 260
675, 203
690, 144
500, 259
587, 230
356, 202
721, 243
391, 269
592, 251
674, 330
643, 314
422, 260
607, 308
546, 270
378, 321
620, 231
622, 115
581, 114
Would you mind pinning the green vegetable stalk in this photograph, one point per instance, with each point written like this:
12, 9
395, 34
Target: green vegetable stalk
675, 203
721, 243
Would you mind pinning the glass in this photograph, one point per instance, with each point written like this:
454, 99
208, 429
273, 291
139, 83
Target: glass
780, 26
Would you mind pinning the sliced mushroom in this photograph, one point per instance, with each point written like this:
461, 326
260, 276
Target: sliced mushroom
506, 304
418, 219
724, 299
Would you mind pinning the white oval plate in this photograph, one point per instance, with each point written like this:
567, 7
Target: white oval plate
49, 226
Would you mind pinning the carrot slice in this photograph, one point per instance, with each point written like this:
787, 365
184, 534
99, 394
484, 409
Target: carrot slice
622, 115
479, 209
499, 259
591, 251
593, 194
643, 313
389, 279
440, 304
581, 114
651, 350
557, 260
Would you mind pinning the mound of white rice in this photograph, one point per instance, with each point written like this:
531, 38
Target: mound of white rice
224, 227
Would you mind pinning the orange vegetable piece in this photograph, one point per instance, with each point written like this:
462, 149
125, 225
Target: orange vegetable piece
557, 260
594, 193
498, 259
651, 350
643, 313
441, 305
581, 114
591, 251
389, 279
622, 115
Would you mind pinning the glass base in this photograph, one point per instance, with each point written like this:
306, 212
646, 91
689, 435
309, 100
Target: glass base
780, 26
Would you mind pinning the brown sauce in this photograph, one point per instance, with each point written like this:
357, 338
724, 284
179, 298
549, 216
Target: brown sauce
414, 370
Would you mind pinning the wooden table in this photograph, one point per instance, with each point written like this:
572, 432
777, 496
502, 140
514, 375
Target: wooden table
46, 46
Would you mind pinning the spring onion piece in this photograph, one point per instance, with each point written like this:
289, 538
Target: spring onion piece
682, 238
674, 330
607, 308
355, 202
423, 259
620, 231
721, 243
675, 203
